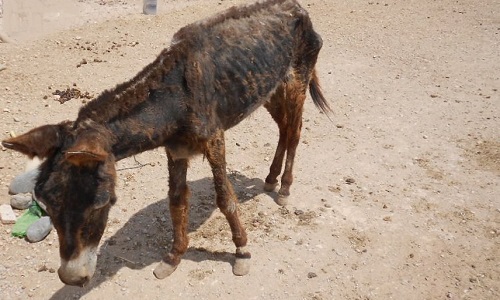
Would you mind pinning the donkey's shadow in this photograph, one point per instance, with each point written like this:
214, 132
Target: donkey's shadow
147, 235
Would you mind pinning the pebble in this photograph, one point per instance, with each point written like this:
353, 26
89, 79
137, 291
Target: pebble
350, 180
24, 183
7, 215
21, 201
39, 229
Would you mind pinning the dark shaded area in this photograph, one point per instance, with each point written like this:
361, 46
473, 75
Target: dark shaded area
147, 235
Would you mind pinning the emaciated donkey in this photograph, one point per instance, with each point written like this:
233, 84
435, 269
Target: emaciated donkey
214, 74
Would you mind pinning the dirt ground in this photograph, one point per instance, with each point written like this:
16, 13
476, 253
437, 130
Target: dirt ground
396, 197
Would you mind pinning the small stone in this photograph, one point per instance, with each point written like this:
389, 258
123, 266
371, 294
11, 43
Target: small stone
7, 215
21, 201
39, 230
299, 212
24, 183
350, 180
311, 275
42, 268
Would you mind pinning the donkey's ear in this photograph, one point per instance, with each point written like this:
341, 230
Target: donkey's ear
41, 141
89, 148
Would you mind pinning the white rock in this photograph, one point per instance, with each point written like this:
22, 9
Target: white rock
7, 215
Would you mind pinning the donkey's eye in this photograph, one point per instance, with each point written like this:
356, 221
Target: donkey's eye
102, 199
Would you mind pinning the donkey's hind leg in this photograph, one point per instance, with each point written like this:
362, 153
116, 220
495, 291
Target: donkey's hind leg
286, 108
276, 108
295, 97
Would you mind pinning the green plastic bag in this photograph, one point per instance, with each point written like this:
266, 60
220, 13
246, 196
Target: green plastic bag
33, 213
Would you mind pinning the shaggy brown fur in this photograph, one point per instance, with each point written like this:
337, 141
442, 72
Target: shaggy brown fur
215, 73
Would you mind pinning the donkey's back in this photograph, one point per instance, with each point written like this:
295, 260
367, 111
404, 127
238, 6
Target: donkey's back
235, 62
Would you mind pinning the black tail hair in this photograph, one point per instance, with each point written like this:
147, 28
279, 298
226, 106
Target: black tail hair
317, 95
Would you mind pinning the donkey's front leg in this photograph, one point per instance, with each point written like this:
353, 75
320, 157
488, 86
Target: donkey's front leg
227, 202
178, 196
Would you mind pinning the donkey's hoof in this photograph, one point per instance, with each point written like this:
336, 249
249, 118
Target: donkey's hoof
270, 187
241, 266
163, 270
282, 200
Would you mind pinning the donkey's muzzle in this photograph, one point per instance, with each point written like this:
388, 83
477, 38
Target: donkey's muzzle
79, 270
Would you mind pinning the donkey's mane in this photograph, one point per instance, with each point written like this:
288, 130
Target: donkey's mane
125, 96
116, 102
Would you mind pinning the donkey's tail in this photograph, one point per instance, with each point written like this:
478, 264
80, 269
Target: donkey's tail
317, 95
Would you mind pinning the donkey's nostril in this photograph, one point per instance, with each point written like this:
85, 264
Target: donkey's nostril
84, 281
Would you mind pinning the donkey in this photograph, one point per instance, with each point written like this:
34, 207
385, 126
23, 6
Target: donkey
215, 73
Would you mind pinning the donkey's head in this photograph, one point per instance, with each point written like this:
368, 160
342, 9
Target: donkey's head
76, 183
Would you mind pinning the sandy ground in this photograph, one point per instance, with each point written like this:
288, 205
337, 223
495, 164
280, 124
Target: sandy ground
396, 197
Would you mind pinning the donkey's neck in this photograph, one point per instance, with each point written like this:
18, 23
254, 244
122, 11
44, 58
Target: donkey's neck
144, 111
150, 126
